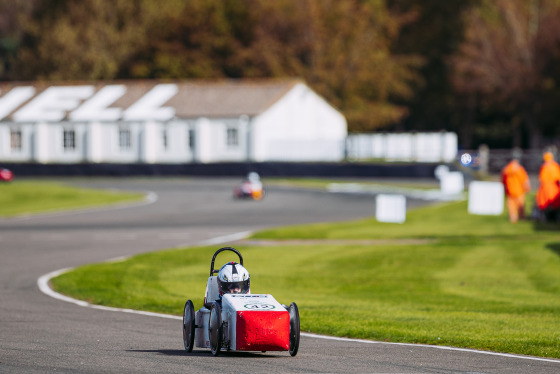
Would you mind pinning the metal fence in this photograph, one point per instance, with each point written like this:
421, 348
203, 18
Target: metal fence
493, 160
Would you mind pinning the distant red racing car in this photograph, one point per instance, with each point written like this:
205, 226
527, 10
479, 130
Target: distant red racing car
6, 175
250, 188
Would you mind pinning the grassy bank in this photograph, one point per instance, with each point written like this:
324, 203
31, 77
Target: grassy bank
444, 277
36, 196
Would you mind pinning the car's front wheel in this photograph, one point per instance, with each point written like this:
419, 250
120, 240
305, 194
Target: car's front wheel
188, 326
294, 329
215, 329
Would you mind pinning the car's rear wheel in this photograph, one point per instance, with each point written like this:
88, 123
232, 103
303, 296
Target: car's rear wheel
294, 329
215, 329
188, 326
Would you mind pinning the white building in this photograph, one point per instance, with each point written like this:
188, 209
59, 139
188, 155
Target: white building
176, 122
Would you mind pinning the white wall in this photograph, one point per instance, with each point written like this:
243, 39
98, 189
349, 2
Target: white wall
422, 147
214, 136
23, 155
279, 134
299, 127
177, 149
54, 135
99, 142
111, 148
211, 140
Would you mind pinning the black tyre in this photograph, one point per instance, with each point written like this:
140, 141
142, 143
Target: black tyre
188, 326
294, 329
215, 329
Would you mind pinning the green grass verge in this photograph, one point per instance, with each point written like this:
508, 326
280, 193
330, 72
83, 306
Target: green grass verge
458, 280
30, 197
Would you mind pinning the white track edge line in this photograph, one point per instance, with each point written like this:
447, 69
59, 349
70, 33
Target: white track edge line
442, 347
43, 284
226, 238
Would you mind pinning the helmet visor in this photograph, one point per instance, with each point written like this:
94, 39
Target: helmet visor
235, 287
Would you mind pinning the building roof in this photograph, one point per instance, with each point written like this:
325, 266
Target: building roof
191, 99
226, 99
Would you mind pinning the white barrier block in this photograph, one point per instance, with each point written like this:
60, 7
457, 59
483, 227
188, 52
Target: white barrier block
486, 198
452, 182
440, 171
390, 208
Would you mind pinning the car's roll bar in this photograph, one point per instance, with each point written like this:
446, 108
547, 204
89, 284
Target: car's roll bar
212, 271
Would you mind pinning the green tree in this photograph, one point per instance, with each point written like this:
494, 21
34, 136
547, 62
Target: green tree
350, 60
89, 39
12, 14
192, 39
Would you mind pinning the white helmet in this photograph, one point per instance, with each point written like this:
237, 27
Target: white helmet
253, 177
233, 278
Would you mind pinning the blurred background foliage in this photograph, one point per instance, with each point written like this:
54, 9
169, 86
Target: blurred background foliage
486, 69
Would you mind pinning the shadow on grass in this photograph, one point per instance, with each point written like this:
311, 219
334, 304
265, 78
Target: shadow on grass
205, 353
547, 220
554, 247
543, 226
547, 225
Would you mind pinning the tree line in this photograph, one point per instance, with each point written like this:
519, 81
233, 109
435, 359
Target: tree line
486, 69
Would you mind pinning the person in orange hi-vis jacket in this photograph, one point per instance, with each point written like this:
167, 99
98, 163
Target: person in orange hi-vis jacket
516, 184
548, 194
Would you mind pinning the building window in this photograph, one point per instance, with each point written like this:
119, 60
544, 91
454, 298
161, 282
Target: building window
232, 139
164, 138
69, 140
190, 140
124, 139
15, 139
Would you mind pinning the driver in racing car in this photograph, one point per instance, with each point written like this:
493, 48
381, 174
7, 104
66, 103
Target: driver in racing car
233, 278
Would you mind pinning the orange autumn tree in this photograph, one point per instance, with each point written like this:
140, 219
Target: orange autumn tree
343, 49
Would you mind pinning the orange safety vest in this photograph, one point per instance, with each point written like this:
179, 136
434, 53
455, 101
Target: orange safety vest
548, 194
515, 179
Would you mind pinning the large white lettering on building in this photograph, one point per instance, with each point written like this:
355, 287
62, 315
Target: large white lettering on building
14, 99
79, 103
97, 107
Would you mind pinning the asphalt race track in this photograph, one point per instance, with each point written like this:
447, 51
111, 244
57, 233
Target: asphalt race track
39, 334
